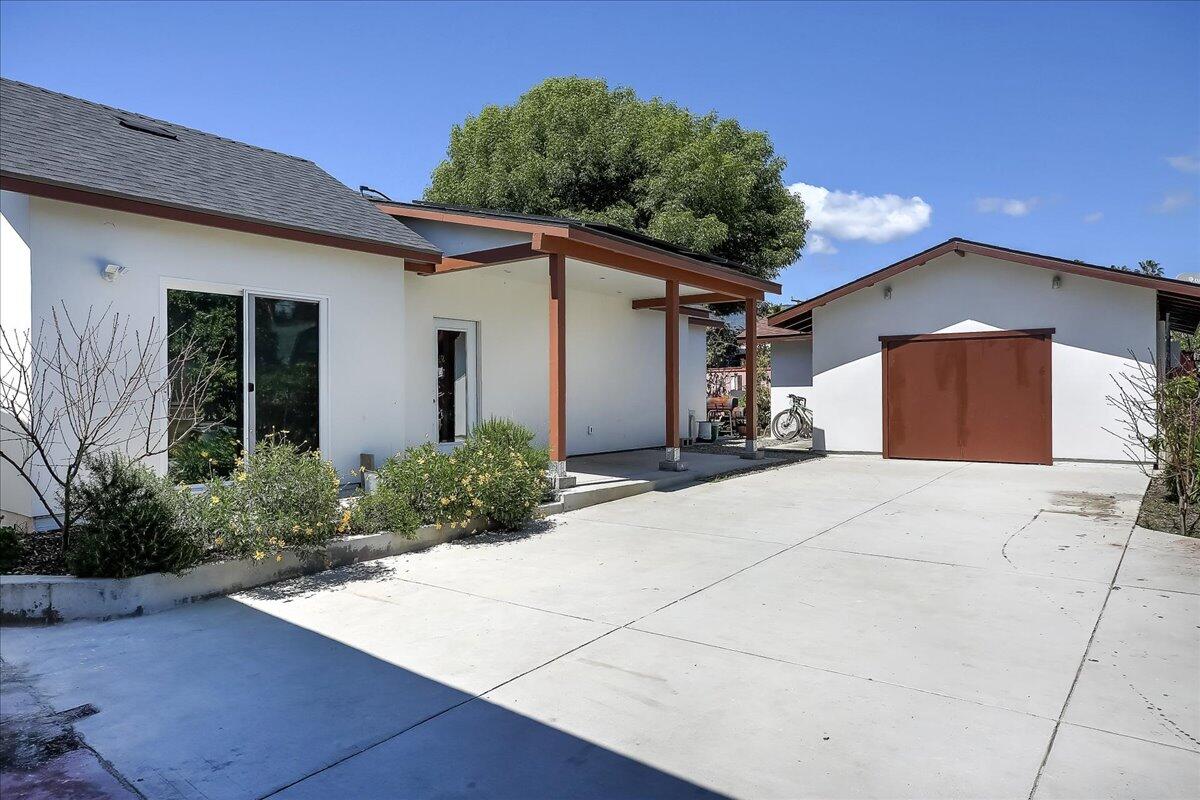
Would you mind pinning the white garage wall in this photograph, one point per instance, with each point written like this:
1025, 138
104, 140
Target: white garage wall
615, 370
364, 294
1097, 324
791, 373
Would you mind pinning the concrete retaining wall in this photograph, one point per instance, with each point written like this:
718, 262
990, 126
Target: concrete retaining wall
43, 599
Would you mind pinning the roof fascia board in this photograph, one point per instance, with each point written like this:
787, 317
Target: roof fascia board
990, 251
654, 268
132, 205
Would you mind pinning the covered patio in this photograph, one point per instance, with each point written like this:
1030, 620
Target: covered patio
569, 257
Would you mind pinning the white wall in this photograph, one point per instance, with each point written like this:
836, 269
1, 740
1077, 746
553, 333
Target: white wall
363, 294
16, 497
615, 369
1097, 324
791, 373
693, 363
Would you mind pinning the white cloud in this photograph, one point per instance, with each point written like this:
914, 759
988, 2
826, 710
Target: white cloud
816, 243
850, 215
1184, 163
1173, 201
1011, 206
1093, 217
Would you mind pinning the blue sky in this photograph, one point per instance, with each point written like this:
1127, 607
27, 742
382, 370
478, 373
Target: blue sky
1069, 129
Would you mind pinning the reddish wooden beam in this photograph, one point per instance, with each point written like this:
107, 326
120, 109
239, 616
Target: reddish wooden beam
488, 258
642, 266
751, 375
558, 358
672, 359
420, 267
711, 297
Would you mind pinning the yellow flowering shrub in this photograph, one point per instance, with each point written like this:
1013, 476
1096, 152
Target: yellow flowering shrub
279, 498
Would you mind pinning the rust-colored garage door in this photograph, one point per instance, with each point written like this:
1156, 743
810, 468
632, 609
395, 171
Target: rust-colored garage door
968, 396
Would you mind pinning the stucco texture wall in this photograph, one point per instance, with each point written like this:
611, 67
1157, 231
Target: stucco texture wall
615, 366
363, 295
1098, 324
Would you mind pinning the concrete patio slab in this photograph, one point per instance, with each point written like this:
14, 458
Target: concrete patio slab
660, 652
1140, 676
733, 724
226, 700
692, 511
608, 573
1096, 765
992, 637
1042, 543
1157, 560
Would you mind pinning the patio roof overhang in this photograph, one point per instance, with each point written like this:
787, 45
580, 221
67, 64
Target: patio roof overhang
562, 241
582, 242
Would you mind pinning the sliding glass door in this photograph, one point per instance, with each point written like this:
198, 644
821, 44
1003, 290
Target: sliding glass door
268, 382
283, 371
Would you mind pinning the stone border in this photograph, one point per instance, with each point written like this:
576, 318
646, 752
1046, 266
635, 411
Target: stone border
46, 599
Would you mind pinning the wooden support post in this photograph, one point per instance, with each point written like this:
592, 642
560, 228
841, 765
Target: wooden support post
672, 462
751, 411
558, 370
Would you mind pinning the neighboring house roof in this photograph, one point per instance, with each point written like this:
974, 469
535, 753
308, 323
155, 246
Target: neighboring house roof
1180, 295
60, 146
767, 332
532, 223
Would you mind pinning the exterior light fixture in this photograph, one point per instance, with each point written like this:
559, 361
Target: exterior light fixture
1056, 283
113, 271
887, 293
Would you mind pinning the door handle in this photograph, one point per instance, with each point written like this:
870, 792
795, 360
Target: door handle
250, 386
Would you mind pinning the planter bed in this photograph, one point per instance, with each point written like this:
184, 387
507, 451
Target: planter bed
45, 599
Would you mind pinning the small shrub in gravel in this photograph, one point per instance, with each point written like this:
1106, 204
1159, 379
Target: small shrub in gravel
132, 523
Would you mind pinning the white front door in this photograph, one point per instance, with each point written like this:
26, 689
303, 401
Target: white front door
456, 382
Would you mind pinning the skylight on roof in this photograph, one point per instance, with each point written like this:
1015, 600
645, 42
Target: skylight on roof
146, 127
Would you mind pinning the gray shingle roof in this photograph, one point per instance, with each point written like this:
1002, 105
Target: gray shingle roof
53, 138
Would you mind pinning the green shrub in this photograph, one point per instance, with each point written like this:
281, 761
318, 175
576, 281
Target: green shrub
384, 509
279, 498
132, 523
205, 456
506, 475
12, 546
496, 474
431, 482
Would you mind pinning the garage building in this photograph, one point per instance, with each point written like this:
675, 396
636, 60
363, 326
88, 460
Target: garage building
970, 351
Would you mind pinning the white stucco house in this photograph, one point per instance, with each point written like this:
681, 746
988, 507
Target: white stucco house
970, 351
366, 326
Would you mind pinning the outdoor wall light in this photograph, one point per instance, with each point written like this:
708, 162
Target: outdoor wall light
1056, 282
887, 293
113, 271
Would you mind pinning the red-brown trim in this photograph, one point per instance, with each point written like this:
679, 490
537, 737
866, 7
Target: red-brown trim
132, 206
672, 364
991, 251
642, 266
487, 258
721, 279
1032, 333
706, 322
419, 267
710, 297
751, 411
557, 432
478, 220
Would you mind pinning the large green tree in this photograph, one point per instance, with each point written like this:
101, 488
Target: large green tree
573, 147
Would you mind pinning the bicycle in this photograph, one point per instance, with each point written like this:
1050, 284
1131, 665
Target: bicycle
793, 423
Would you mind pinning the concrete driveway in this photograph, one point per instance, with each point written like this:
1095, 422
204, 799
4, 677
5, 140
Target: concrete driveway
847, 627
